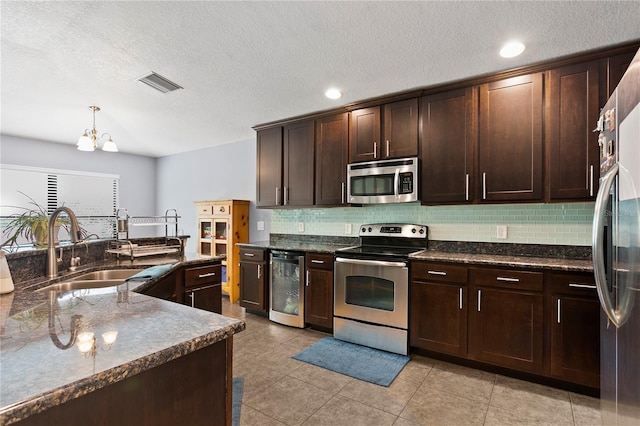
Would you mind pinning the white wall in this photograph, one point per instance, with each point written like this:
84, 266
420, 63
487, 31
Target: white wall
217, 173
137, 173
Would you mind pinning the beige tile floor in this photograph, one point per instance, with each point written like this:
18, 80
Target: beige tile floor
279, 390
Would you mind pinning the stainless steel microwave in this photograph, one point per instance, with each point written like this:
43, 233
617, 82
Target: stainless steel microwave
383, 181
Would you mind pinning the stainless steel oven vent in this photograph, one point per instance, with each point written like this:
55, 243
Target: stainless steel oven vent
159, 82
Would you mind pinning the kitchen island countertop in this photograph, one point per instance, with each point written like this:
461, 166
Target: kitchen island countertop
39, 368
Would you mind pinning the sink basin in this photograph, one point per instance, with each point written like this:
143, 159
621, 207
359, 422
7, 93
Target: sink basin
107, 274
81, 285
92, 280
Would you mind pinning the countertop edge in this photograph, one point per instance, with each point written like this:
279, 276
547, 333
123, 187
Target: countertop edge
60, 395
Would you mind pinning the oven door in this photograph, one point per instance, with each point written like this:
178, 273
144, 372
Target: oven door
373, 291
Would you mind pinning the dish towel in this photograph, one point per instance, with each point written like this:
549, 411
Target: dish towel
150, 273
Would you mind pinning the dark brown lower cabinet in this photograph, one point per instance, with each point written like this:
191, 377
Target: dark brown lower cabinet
574, 327
506, 328
194, 389
207, 298
318, 297
438, 308
253, 280
203, 287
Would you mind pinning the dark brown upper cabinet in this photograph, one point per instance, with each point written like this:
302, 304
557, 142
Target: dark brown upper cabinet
285, 172
510, 139
396, 138
572, 147
298, 176
616, 66
332, 156
269, 167
447, 147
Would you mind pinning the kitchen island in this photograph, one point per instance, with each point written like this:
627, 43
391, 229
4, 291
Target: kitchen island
168, 364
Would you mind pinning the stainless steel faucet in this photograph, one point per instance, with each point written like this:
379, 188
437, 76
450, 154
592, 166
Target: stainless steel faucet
76, 235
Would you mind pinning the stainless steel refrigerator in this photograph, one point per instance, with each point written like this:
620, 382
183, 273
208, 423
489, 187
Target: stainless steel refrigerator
616, 251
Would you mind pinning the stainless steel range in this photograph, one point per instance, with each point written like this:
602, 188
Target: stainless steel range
371, 294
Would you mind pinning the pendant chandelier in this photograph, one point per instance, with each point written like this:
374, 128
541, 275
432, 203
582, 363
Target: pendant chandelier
89, 140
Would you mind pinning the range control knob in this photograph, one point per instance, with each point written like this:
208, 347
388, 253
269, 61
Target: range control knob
364, 229
370, 229
421, 230
413, 230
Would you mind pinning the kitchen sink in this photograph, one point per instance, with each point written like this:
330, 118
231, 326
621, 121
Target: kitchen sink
92, 280
107, 274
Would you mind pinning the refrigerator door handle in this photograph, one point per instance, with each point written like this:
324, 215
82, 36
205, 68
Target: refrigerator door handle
599, 218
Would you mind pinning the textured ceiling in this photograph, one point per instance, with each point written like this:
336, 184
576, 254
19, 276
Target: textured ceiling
246, 63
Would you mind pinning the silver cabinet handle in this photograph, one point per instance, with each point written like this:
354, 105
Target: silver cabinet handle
259, 271
277, 195
484, 186
591, 180
387, 148
437, 273
576, 285
285, 196
460, 298
342, 192
479, 298
210, 274
558, 311
193, 299
509, 280
466, 187
308, 280
375, 150
248, 254
321, 262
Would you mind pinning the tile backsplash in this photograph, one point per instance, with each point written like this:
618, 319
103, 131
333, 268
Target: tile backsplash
566, 224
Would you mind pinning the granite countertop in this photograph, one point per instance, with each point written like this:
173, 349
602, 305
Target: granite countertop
558, 258
37, 373
293, 245
549, 263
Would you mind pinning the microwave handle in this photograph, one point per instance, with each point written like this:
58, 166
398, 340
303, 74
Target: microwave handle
396, 183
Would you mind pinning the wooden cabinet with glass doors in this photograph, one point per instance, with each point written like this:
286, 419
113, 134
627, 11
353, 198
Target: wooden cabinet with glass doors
221, 225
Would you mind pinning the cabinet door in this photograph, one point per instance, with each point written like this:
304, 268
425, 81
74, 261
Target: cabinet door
298, 183
318, 292
269, 167
506, 328
573, 313
448, 140
207, 298
510, 139
572, 146
332, 156
400, 129
253, 294
364, 134
438, 317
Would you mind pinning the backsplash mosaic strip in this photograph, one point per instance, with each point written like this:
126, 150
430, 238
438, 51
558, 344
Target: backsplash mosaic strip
555, 224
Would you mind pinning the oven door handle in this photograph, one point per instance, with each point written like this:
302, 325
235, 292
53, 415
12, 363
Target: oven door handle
371, 262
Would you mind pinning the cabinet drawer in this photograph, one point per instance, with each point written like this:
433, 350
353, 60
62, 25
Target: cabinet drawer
506, 278
205, 209
438, 272
584, 284
252, 255
201, 276
319, 261
222, 209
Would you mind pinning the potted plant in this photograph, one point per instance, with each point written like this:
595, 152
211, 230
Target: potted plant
32, 224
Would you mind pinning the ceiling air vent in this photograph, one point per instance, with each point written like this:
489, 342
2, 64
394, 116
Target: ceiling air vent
158, 82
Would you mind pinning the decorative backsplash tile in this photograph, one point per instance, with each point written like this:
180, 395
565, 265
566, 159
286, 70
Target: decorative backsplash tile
562, 224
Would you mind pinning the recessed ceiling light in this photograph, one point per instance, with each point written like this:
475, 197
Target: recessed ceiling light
512, 49
333, 94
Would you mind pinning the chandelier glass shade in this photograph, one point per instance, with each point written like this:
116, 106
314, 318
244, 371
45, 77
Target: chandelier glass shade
89, 139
